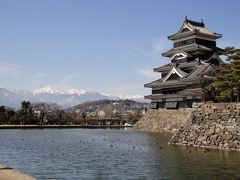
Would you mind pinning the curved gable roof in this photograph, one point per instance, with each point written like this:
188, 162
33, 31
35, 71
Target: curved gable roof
194, 27
174, 70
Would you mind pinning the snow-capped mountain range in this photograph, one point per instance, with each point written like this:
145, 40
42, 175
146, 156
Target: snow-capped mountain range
51, 90
64, 97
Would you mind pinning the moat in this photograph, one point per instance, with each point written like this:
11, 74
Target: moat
111, 154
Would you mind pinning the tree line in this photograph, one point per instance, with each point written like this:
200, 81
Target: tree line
44, 114
37, 114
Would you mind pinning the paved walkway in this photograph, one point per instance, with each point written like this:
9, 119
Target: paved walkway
7, 173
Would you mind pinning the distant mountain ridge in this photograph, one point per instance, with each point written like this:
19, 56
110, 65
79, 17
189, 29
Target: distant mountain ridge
51, 90
63, 97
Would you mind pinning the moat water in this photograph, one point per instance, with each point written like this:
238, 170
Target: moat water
110, 154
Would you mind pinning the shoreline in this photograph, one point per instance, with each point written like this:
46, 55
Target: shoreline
8, 173
62, 126
204, 147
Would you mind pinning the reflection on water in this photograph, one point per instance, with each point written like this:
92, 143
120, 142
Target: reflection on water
111, 154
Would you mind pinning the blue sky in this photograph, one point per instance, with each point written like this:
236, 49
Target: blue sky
109, 46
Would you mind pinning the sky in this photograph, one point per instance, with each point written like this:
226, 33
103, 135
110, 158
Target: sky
108, 46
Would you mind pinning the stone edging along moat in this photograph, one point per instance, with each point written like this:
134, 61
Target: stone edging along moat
7, 173
215, 125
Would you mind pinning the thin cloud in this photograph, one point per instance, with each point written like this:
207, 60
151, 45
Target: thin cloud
69, 77
159, 46
9, 70
39, 76
136, 52
115, 88
148, 73
152, 50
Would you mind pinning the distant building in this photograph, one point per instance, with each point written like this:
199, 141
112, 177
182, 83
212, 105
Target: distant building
101, 113
194, 56
78, 111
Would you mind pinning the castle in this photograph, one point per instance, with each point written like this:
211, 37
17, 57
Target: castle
194, 57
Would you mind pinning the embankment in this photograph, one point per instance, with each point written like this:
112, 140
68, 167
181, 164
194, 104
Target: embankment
163, 120
215, 125
211, 125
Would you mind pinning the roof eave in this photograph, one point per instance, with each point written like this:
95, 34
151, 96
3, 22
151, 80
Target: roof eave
147, 86
171, 51
176, 36
150, 85
182, 35
162, 69
218, 35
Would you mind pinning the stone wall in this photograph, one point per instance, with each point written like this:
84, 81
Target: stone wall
211, 125
163, 120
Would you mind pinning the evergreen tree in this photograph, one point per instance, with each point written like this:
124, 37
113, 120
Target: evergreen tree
10, 113
2, 114
227, 81
26, 112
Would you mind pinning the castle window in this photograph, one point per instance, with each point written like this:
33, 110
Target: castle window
183, 43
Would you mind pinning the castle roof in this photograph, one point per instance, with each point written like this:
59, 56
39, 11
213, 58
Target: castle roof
185, 93
185, 78
190, 27
166, 67
174, 70
189, 48
211, 58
